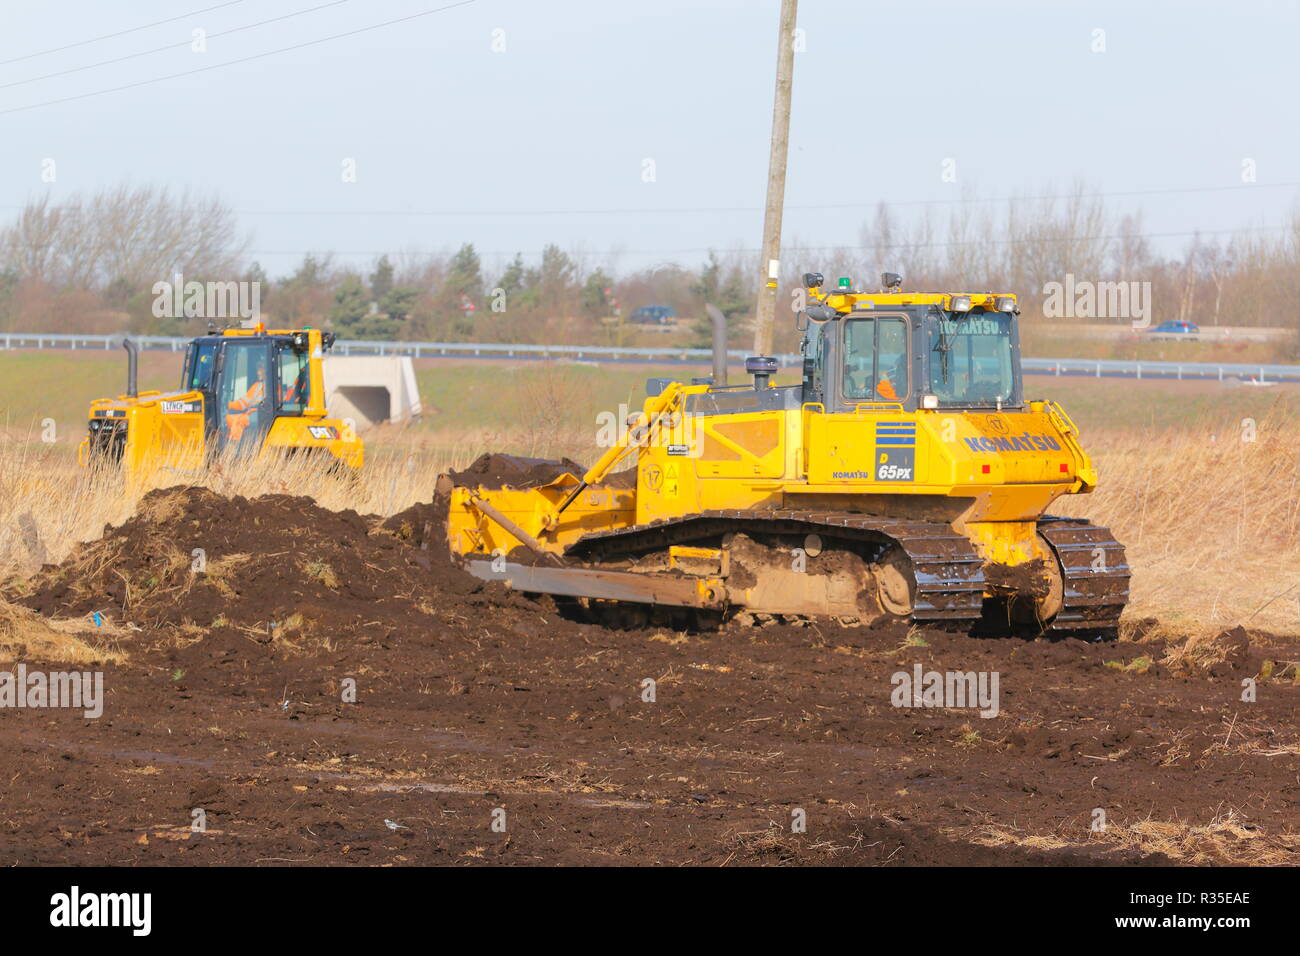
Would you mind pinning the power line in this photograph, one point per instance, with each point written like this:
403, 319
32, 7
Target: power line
170, 46
244, 59
119, 33
792, 247
714, 210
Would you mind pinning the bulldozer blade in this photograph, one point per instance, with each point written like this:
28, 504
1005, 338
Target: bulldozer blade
605, 585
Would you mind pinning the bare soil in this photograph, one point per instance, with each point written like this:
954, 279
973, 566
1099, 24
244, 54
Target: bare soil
512, 471
475, 705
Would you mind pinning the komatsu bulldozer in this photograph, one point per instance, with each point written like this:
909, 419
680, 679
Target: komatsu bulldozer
243, 391
905, 477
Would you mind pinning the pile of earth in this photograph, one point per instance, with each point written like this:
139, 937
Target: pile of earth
511, 471
494, 470
190, 557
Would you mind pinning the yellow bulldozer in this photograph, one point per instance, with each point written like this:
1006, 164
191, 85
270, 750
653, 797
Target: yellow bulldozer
906, 477
245, 391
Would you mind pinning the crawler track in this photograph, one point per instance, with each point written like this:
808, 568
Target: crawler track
949, 573
1096, 574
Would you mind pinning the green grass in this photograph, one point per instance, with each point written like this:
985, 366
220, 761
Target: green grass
60, 385
499, 396
502, 398
1046, 341
1158, 405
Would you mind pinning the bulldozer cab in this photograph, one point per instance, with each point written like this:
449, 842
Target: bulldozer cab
915, 351
253, 391
248, 382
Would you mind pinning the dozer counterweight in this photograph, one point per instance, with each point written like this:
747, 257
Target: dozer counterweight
905, 476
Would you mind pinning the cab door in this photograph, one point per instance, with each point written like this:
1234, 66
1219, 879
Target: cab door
245, 394
292, 379
865, 435
200, 375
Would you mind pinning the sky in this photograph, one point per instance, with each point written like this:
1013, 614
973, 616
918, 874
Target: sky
636, 133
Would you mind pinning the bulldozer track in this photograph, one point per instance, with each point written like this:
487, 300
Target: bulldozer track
1096, 574
949, 573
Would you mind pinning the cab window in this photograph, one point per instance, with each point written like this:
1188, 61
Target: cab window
876, 360
244, 377
819, 366
295, 379
973, 363
814, 359
199, 364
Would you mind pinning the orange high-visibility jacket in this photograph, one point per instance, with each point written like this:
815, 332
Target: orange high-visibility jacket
252, 398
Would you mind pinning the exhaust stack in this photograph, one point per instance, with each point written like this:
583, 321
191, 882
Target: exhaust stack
719, 323
132, 363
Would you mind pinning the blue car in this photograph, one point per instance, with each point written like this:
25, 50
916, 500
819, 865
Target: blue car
654, 315
1177, 326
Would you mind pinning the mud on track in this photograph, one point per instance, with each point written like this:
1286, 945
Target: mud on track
471, 698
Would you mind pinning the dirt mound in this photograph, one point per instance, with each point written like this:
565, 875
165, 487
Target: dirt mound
423, 527
25, 634
192, 557
1226, 653
511, 471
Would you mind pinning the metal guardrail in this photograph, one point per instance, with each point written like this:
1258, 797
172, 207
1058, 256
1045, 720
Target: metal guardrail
176, 343
1096, 368
1193, 371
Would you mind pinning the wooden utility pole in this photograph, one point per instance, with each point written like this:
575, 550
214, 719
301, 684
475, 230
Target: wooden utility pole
770, 258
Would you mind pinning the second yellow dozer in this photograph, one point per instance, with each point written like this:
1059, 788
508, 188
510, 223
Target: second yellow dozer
905, 477
243, 392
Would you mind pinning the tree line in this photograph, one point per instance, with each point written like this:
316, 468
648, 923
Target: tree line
89, 264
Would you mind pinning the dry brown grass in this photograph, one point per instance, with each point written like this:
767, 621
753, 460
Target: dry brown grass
1211, 522
1224, 841
1212, 526
25, 635
48, 504
1209, 649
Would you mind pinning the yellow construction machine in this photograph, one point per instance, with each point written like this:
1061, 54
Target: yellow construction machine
243, 391
906, 476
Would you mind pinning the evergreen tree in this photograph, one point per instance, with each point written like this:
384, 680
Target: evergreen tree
465, 274
727, 293
512, 280
381, 280
351, 304
595, 300
555, 278
399, 302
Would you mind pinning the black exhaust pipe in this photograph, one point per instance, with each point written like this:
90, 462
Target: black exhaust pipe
132, 361
719, 323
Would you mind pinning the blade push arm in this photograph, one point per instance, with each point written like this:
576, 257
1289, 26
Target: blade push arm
638, 434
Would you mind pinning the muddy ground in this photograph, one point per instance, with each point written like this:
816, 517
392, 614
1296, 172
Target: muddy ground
477, 707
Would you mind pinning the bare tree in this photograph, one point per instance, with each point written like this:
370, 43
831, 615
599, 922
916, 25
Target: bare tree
137, 235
